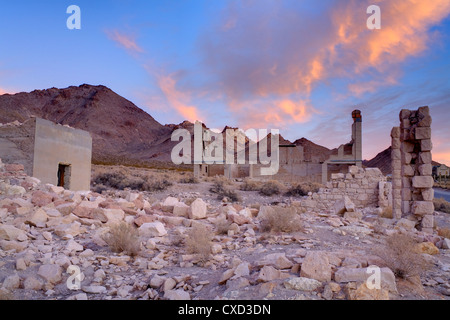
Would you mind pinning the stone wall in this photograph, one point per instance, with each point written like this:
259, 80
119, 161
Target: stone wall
364, 187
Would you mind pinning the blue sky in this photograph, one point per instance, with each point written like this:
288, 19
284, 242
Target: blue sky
298, 66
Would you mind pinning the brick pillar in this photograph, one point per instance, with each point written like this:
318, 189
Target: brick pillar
415, 156
396, 164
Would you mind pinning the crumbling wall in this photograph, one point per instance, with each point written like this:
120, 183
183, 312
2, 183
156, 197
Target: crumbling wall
361, 186
412, 170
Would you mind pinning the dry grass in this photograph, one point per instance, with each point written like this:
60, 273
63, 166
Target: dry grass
250, 185
199, 241
440, 204
123, 179
123, 237
282, 220
302, 189
271, 187
400, 255
444, 232
222, 191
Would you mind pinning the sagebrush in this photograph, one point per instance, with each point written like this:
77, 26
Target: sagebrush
399, 254
123, 237
199, 241
302, 189
222, 191
282, 220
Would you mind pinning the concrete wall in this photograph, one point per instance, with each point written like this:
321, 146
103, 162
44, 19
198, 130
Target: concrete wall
17, 144
56, 144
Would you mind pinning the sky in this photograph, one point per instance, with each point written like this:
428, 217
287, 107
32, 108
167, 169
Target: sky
297, 66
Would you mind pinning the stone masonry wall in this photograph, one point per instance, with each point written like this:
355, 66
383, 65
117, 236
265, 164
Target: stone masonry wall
411, 163
364, 187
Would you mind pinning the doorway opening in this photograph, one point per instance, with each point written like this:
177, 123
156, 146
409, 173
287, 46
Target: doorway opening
64, 175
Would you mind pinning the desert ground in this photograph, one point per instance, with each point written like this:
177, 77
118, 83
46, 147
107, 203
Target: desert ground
205, 239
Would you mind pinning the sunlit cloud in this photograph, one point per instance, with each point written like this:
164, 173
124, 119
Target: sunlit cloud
178, 100
126, 41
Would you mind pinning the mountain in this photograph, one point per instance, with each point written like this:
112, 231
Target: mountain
120, 130
312, 150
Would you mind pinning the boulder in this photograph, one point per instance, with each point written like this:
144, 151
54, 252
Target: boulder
345, 275
38, 219
41, 199
152, 229
316, 266
269, 273
362, 292
427, 247
302, 284
51, 273
181, 209
11, 282
343, 205
169, 203
277, 260
11, 233
114, 216
178, 294
198, 209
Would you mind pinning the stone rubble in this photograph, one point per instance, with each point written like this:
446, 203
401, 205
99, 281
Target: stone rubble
44, 230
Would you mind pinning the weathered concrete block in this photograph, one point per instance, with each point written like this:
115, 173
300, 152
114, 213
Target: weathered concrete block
406, 159
408, 171
427, 221
422, 208
425, 169
396, 154
407, 147
395, 132
406, 207
406, 194
426, 145
422, 182
404, 114
422, 133
428, 194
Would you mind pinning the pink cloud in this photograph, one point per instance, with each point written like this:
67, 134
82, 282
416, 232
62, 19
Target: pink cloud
126, 41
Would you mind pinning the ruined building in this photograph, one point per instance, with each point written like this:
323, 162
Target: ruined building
55, 154
294, 165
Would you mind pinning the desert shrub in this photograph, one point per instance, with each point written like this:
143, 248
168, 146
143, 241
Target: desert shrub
302, 189
440, 204
219, 188
120, 181
270, 188
444, 232
282, 220
399, 254
189, 180
199, 241
250, 185
123, 237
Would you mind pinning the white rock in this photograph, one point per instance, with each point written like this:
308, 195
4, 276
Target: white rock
181, 209
362, 274
198, 209
278, 260
94, 289
72, 245
169, 204
11, 282
152, 229
302, 284
32, 283
242, 270
51, 273
11, 233
178, 294
114, 215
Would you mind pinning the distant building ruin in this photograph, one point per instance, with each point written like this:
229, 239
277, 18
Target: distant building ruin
55, 154
293, 163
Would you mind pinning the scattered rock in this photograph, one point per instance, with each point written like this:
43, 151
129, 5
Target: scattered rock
316, 266
152, 229
198, 209
302, 284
